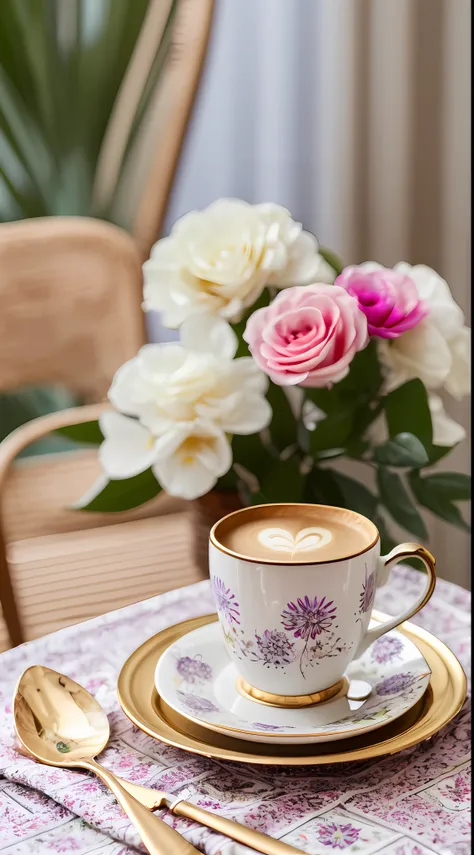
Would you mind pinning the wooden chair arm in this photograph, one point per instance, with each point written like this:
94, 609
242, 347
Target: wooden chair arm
24, 435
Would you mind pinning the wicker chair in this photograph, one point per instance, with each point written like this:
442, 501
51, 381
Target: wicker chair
71, 314
60, 279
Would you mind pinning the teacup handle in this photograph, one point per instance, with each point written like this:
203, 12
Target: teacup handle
385, 562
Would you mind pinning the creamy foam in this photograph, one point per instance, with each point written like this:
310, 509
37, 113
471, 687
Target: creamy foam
292, 534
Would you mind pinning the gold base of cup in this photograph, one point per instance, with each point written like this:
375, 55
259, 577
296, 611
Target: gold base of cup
292, 701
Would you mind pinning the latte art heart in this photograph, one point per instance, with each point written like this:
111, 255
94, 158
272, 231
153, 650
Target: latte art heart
281, 540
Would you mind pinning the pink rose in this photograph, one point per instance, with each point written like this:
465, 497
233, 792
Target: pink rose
388, 298
307, 336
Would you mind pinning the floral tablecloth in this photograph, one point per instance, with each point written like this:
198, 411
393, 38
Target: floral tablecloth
415, 803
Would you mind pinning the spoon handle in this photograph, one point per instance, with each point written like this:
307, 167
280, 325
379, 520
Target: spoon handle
158, 837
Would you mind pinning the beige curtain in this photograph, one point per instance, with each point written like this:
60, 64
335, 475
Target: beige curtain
411, 125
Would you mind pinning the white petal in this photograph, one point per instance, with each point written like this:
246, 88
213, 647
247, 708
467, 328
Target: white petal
184, 482
370, 266
126, 384
444, 312
166, 445
304, 263
244, 371
194, 467
323, 272
421, 352
91, 493
209, 335
446, 432
311, 415
458, 381
252, 414
128, 447
216, 455
159, 422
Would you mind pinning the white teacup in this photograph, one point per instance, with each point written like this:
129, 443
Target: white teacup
294, 586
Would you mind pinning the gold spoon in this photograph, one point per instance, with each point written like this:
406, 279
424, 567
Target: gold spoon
61, 724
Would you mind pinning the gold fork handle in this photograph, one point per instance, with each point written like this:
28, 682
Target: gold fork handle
241, 833
157, 836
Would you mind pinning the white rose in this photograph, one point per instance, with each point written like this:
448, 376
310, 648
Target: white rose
437, 350
217, 261
446, 431
184, 399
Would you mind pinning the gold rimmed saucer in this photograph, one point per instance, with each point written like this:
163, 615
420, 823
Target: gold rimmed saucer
141, 703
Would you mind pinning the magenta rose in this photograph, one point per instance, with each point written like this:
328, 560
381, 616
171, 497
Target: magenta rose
388, 298
307, 336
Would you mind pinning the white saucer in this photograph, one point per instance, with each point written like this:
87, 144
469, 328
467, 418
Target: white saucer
196, 678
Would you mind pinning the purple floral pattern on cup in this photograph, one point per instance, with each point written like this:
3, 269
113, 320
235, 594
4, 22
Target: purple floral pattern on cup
338, 836
386, 648
274, 648
368, 593
226, 601
394, 684
307, 619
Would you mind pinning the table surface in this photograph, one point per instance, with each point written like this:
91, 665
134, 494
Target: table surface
414, 803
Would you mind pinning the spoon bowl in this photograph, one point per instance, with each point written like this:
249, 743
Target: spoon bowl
57, 720
60, 723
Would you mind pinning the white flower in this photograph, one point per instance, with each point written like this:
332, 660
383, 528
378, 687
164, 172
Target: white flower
196, 457
184, 399
186, 462
217, 261
437, 350
299, 260
446, 431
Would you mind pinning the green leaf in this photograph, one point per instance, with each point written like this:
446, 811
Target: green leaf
332, 432
356, 448
407, 411
123, 495
322, 488
356, 496
454, 486
283, 423
228, 481
331, 453
396, 499
437, 452
283, 482
251, 453
332, 259
326, 399
87, 432
403, 450
357, 389
365, 375
57, 95
303, 437
435, 500
17, 408
255, 499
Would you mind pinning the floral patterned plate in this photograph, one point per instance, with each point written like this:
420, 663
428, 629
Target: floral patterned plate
195, 677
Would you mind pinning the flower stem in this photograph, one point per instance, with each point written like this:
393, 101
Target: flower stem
301, 657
